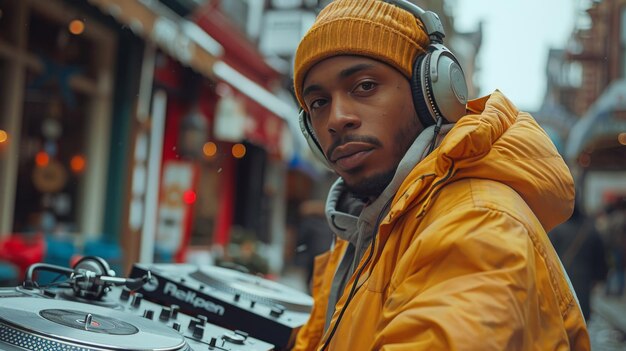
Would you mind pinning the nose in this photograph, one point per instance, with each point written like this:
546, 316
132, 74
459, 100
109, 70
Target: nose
342, 116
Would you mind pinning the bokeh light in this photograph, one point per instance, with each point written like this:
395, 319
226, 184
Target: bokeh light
239, 150
4, 136
42, 159
78, 163
621, 138
209, 149
76, 27
189, 197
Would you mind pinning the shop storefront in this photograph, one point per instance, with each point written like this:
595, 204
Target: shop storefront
63, 113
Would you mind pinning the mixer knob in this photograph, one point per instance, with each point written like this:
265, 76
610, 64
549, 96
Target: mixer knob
213, 342
252, 303
176, 326
165, 314
242, 333
125, 294
148, 314
237, 296
198, 331
136, 300
174, 309
234, 338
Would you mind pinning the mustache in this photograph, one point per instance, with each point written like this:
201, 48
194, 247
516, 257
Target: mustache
352, 138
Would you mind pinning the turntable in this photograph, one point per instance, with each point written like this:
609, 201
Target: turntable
93, 310
264, 309
40, 324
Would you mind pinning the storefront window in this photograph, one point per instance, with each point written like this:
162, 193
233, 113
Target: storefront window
55, 99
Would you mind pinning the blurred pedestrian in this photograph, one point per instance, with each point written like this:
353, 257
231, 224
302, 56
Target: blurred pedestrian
615, 232
582, 252
314, 235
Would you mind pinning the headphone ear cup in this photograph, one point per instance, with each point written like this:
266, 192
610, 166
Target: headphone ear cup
418, 84
96, 265
309, 135
439, 86
448, 88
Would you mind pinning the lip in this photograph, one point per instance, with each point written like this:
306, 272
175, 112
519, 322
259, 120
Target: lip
350, 155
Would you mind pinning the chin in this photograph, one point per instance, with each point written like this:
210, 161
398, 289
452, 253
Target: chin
369, 186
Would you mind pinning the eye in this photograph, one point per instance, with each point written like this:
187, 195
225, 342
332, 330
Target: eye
317, 103
365, 87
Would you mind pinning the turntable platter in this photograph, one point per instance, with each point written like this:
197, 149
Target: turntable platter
43, 324
253, 287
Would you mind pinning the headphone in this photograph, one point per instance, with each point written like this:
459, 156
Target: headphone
437, 83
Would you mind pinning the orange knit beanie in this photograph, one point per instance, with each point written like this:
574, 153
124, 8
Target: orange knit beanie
370, 28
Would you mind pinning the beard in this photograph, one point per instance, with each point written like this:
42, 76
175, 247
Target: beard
373, 186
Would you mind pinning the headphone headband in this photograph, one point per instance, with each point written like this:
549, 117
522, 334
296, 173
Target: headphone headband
431, 20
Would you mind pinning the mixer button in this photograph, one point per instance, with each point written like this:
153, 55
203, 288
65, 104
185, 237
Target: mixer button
136, 300
125, 294
165, 314
198, 332
202, 320
148, 314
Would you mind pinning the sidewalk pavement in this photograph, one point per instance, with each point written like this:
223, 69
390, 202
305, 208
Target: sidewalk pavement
611, 308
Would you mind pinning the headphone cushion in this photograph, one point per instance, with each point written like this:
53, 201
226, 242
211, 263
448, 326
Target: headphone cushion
419, 100
93, 263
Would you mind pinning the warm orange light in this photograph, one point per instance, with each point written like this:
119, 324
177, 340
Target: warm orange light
189, 197
77, 27
239, 150
209, 149
78, 163
621, 138
4, 136
42, 159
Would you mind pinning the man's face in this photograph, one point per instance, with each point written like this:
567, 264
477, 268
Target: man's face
363, 116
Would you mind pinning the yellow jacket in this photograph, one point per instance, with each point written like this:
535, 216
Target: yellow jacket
462, 260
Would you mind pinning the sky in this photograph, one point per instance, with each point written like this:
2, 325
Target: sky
517, 35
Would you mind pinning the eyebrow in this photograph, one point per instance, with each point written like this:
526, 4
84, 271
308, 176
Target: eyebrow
342, 75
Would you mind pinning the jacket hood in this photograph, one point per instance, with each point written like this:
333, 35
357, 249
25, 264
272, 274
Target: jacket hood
496, 141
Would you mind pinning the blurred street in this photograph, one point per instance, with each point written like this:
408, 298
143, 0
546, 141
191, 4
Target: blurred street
607, 327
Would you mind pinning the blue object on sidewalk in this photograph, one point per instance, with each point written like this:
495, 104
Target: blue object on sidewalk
8, 274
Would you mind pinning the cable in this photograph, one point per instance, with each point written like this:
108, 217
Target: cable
28, 277
353, 289
435, 133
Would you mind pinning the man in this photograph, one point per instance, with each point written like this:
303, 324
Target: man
441, 226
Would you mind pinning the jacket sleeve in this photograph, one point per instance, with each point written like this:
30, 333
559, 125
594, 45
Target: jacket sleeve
470, 282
